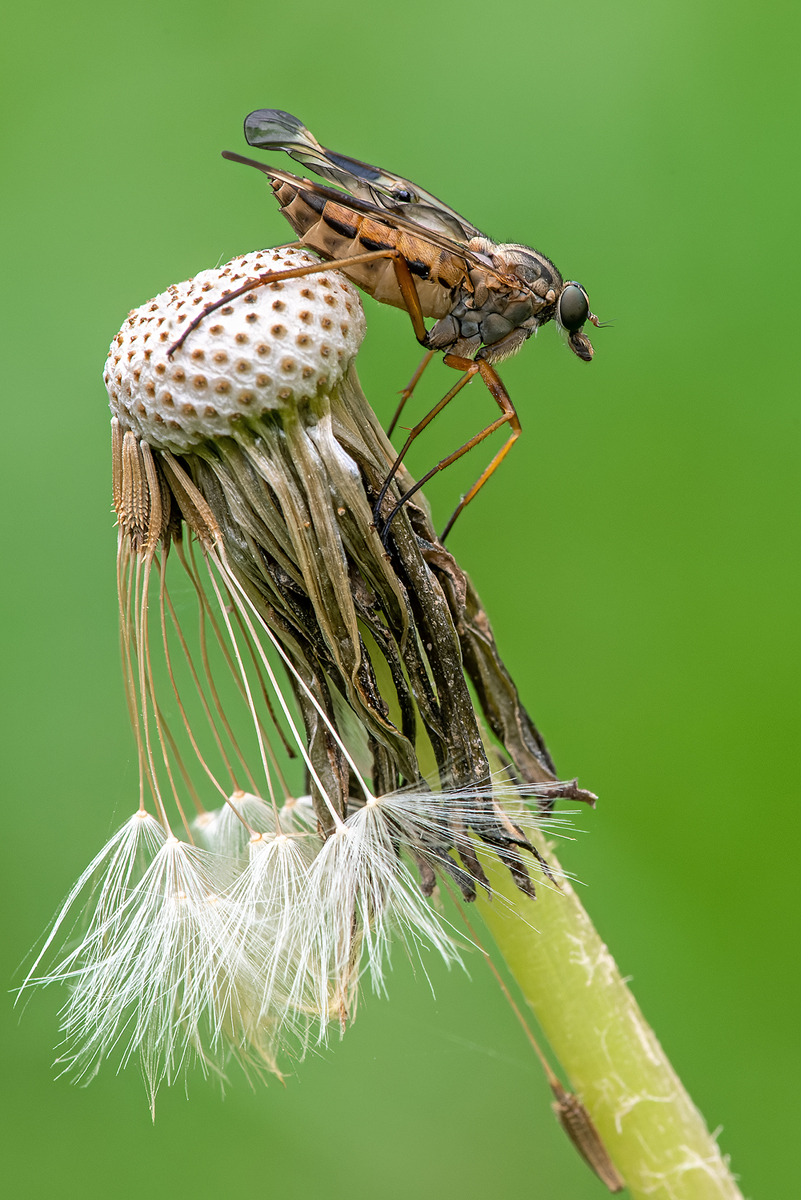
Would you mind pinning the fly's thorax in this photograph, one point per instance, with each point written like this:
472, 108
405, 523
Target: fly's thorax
552, 298
503, 303
272, 347
496, 309
523, 263
527, 263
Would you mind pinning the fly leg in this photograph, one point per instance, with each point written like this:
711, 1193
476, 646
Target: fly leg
508, 416
297, 273
501, 398
410, 386
408, 290
472, 369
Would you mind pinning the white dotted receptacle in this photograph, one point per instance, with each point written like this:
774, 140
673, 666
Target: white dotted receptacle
273, 345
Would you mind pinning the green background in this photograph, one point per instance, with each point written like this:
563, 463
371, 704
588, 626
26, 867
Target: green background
637, 554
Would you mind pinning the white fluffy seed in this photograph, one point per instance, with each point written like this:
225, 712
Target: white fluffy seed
274, 345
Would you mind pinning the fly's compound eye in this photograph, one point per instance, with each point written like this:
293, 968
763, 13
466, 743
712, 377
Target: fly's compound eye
574, 307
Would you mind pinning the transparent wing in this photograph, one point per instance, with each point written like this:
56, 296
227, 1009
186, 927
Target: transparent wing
272, 129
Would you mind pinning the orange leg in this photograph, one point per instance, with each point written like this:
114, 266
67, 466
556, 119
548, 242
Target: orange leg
415, 432
509, 415
410, 386
402, 272
408, 289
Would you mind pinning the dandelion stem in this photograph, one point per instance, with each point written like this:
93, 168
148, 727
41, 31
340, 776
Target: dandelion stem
654, 1133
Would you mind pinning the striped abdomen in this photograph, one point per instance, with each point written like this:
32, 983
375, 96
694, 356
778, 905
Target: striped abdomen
335, 232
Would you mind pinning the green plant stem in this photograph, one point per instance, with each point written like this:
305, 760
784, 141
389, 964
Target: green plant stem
652, 1130
650, 1127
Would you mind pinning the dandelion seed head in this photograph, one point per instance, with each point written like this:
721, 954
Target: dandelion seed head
234, 367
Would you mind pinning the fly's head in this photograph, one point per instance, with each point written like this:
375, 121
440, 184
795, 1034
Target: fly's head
572, 313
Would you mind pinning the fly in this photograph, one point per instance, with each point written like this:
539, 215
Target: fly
406, 248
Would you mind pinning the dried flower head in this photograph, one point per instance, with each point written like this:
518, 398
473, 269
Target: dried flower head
250, 461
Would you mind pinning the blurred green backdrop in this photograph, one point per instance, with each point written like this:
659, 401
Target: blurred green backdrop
638, 553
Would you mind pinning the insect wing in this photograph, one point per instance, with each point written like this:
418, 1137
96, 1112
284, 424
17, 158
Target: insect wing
367, 208
272, 129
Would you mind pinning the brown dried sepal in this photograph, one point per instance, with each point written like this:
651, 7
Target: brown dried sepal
140, 494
